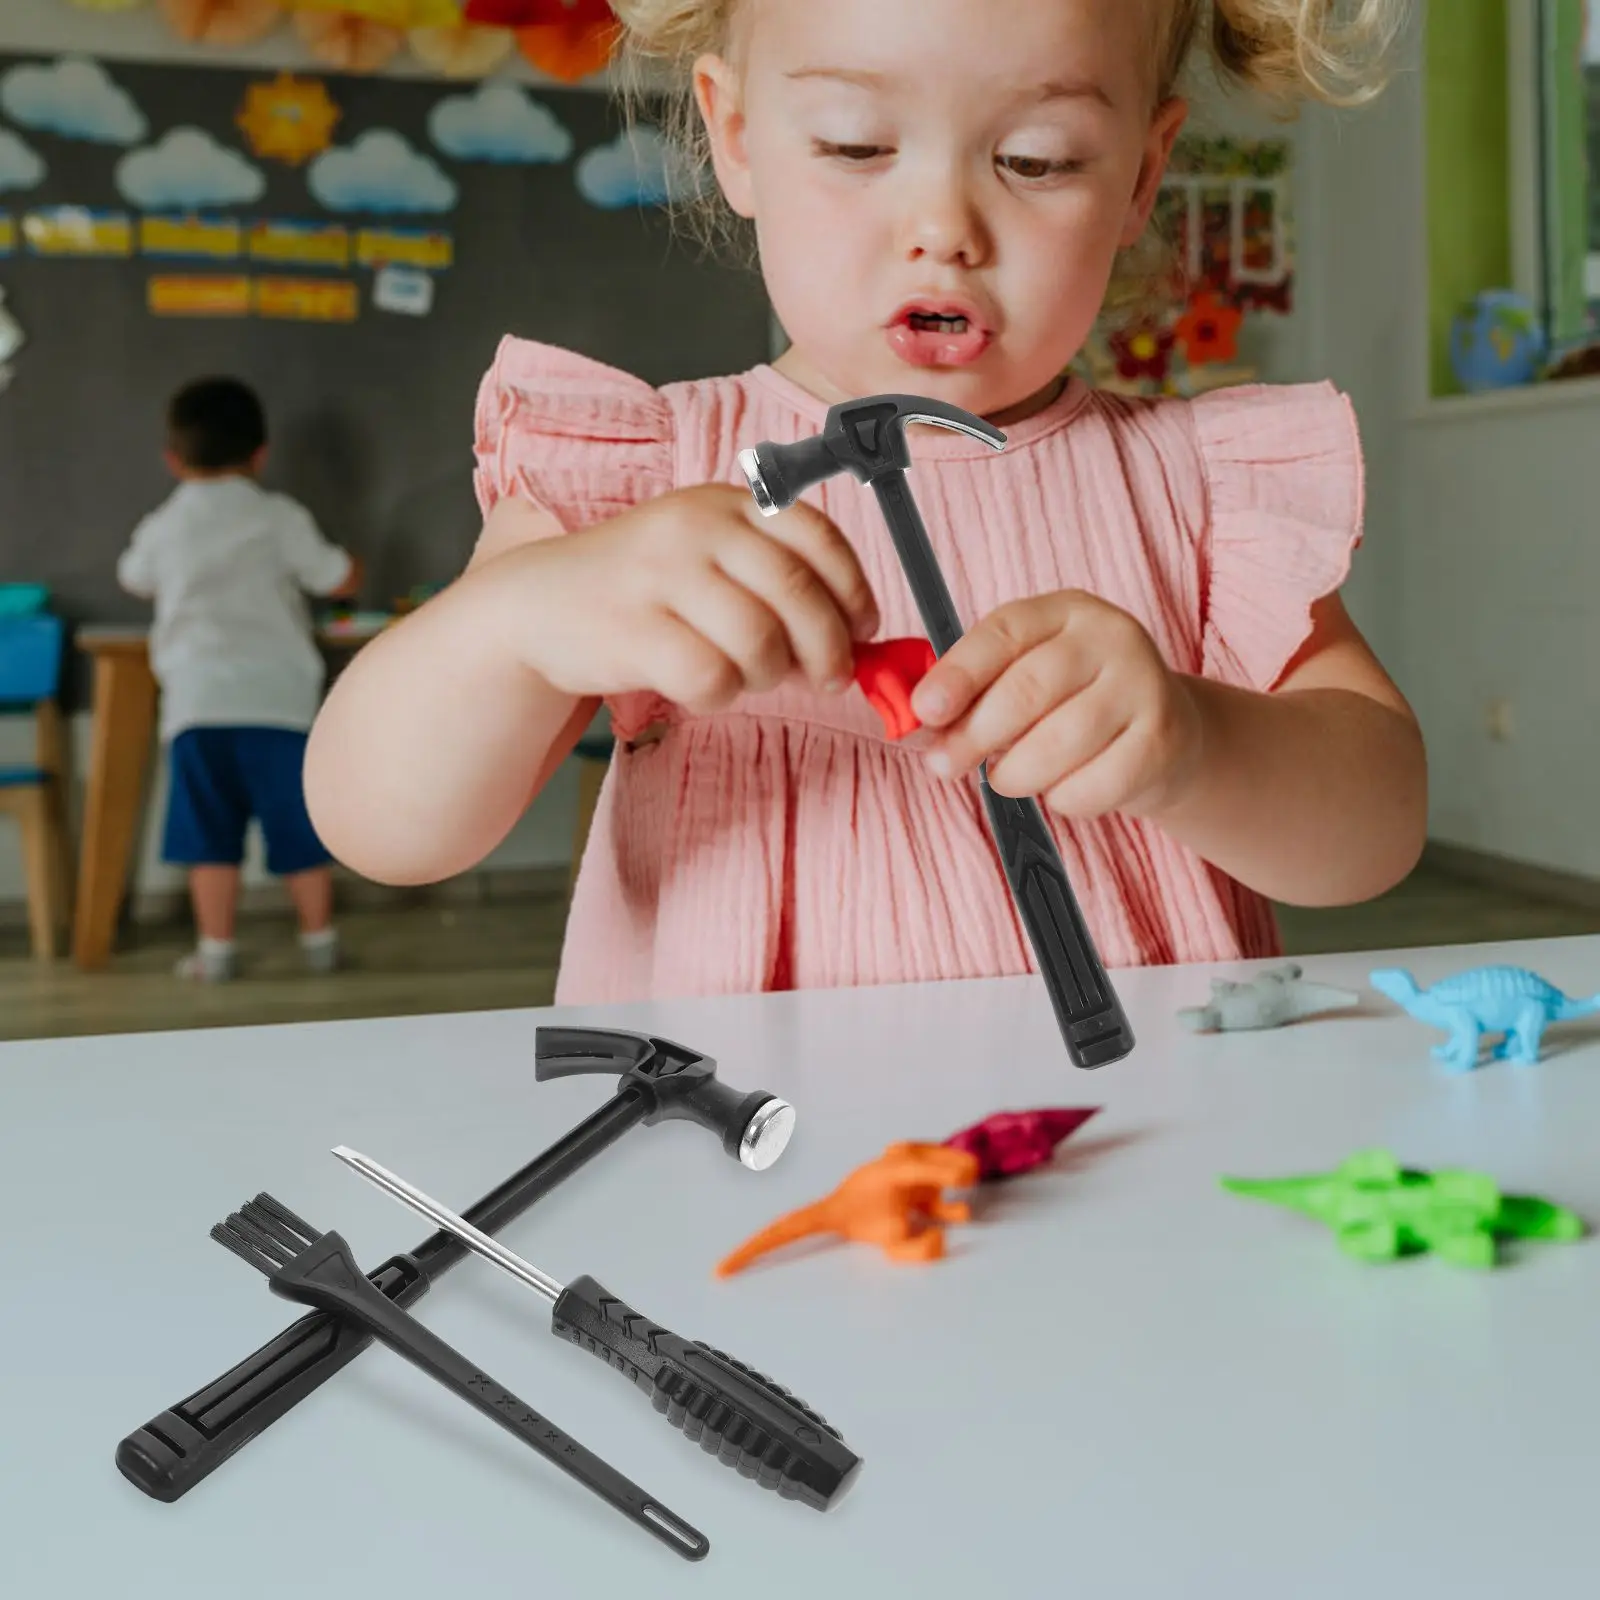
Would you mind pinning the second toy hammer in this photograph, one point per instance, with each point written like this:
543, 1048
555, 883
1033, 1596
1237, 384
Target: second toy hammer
658, 1080
867, 438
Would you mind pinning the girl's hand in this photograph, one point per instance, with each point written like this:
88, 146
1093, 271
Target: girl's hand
1069, 700
694, 596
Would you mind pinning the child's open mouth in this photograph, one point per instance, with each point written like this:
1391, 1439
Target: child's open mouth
926, 335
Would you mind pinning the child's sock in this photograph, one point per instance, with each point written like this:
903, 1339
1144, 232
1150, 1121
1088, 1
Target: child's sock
321, 949
211, 961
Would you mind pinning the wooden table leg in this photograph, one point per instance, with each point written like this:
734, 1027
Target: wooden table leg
123, 724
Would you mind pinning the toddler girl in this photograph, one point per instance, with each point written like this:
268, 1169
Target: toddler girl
941, 191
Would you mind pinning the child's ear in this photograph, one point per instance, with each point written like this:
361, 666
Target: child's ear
716, 92
174, 464
1164, 129
258, 461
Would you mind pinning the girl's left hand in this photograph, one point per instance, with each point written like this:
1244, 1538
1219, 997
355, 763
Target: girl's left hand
1068, 699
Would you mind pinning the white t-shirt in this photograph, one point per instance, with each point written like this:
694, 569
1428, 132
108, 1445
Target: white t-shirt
228, 567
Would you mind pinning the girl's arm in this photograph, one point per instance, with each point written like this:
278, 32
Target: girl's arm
436, 737
1315, 794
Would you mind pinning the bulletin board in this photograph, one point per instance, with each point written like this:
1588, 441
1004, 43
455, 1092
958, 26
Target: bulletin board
355, 248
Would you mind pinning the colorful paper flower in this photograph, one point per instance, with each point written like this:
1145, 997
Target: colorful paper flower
390, 13
346, 43
572, 39
226, 24
1144, 351
463, 50
1209, 330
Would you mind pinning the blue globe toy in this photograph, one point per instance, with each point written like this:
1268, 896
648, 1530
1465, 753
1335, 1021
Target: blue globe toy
1497, 342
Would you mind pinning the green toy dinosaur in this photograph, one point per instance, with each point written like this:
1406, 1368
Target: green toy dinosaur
1381, 1211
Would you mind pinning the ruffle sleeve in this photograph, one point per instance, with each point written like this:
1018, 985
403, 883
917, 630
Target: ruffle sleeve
580, 440
1286, 489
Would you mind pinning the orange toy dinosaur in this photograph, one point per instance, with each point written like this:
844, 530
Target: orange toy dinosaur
892, 1201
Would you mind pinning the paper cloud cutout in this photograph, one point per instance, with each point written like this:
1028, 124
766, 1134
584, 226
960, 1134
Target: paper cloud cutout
188, 169
638, 168
501, 122
21, 167
380, 172
74, 99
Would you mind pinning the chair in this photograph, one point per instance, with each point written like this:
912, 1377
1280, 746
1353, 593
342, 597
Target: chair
31, 650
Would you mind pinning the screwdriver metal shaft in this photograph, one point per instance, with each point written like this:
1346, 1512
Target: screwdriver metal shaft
442, 1217
747, 1421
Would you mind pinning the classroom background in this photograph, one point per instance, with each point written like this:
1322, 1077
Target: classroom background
348, 211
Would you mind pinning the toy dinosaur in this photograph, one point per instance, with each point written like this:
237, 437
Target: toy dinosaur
893, 1201
1268, 1000
1510, 1001
1380, 1210
887, 672
1012, 1142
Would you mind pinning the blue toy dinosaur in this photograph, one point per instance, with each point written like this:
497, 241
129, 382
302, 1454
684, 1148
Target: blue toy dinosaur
1510, 1001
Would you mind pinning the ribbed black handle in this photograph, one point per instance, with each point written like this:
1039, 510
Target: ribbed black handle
745, 1419
326, 1276
1087, 1010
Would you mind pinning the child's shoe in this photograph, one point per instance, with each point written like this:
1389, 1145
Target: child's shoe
321, 949
211, 961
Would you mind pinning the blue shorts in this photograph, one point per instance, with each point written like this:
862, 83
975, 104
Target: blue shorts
221, 778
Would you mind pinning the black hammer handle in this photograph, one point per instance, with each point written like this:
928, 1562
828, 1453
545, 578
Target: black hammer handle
746, 1420
1087, 1010
171, 1453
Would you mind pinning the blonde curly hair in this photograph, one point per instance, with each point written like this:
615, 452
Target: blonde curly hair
1287, 52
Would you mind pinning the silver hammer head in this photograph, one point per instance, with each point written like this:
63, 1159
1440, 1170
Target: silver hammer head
865, 438
676, 1082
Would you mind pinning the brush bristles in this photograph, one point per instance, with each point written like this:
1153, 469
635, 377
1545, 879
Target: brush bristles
265, 1233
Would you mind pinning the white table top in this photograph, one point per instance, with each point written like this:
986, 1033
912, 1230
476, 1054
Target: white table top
1121, 1382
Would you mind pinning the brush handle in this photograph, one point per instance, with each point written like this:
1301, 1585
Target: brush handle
188, 1441
326, 1276
746, 1420
1088, 1013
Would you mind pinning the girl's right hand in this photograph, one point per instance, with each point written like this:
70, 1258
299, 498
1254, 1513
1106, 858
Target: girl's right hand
694, 596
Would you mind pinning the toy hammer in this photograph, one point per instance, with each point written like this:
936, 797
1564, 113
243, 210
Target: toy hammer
657, 1081
867, 438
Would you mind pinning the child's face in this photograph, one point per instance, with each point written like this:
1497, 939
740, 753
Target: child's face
986, 158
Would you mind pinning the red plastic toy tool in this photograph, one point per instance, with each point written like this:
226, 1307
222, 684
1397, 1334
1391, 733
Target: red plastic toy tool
887, 672
1012, 1142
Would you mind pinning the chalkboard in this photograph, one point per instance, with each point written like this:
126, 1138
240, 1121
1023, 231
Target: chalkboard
371, 418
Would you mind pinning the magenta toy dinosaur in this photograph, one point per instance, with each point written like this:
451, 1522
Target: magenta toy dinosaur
1013, 1142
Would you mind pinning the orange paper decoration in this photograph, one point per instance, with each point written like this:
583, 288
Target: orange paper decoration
348, 44
224, 23
1209, 330
464, 51
572, 40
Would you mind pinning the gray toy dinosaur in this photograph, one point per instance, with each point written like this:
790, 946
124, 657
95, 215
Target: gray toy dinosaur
1268, 1000
1506, 1000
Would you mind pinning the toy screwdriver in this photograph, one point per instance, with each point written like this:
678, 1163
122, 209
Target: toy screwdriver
746, 1420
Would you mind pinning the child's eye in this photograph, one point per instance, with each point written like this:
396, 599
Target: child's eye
849, 152
1035, 167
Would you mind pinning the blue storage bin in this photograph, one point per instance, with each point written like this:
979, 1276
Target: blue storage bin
30, 658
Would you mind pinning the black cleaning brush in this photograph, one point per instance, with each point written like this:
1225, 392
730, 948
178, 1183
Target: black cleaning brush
318, 1269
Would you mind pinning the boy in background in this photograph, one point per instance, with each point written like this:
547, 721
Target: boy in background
228, 566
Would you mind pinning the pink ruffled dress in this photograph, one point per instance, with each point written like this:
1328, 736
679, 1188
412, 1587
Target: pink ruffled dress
786, 843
